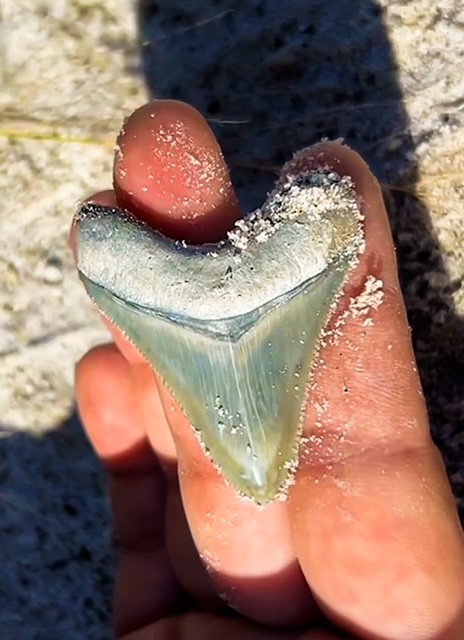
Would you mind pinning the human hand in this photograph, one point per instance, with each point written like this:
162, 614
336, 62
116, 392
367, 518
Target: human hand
368, 538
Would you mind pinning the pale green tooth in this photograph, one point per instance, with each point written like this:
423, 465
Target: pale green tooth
244, 398
233, 330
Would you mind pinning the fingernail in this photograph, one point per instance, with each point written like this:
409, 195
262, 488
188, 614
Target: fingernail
169, 171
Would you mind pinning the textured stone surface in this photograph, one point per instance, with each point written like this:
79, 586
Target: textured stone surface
272, 77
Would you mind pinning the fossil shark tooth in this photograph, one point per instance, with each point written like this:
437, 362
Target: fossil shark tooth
233, 329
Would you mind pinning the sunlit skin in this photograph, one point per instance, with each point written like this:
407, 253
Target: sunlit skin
368, 543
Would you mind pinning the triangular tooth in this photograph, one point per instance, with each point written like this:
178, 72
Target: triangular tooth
233, 330
244, 397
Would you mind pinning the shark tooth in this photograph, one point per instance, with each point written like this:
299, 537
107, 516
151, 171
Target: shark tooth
233, 329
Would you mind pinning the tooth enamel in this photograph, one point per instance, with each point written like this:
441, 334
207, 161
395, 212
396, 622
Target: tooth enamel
233, 329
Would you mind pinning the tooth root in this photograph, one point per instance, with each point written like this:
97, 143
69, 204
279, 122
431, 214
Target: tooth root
245, 397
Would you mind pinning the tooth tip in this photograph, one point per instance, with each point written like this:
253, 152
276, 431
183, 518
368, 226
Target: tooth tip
265, 490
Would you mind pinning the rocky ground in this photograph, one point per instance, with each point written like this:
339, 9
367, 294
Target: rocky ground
272, 77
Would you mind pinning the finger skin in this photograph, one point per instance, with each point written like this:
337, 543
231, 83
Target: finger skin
146, 586
109, 411
201, 626
374, 522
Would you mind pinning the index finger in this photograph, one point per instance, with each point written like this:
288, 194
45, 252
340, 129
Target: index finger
374, 521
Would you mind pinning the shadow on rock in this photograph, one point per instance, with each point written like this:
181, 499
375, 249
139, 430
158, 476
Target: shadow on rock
55, 536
